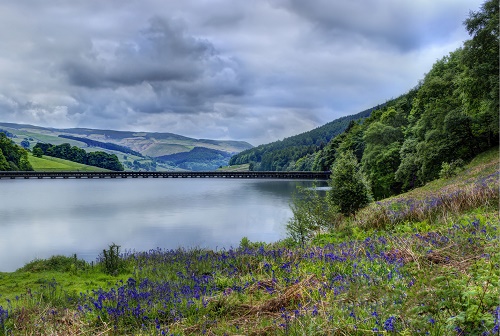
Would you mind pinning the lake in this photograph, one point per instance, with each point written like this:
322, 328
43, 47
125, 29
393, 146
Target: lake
41, 218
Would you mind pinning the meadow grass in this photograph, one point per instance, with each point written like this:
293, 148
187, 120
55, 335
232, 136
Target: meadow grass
437, 274
48, 163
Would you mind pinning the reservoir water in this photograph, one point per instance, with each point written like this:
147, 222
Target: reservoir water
41, 218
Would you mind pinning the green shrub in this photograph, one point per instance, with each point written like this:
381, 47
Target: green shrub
56, 263
451, 169
111, 261
350, 189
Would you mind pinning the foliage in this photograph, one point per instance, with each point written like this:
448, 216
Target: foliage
12, 156
57, 263
450, 169
111, 260
312, 213
350, 190
37, 152
75, 154
25, 144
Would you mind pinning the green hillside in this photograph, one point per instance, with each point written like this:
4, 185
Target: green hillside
197, 159
285, 154
48, 163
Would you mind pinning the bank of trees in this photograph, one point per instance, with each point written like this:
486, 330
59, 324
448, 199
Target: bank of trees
12, 156
67, 152
450, 116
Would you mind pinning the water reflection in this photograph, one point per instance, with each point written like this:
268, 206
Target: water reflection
40, 218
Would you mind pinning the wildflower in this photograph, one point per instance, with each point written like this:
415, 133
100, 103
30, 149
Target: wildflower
389, 324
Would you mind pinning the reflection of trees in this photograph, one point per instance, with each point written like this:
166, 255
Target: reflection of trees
284, 188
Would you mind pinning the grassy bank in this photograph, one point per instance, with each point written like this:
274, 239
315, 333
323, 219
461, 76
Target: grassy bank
425, 262
49, 163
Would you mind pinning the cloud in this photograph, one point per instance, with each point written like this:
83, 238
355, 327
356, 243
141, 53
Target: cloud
257, 71
403, 25
180, 73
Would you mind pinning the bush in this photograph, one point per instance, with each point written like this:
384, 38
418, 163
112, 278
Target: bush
312, 213
56, 263
451, 169
111, 261
350, 189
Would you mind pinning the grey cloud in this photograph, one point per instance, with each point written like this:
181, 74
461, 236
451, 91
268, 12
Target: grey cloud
185, 73
403, 25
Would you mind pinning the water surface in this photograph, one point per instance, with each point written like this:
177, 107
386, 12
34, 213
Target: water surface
40, 218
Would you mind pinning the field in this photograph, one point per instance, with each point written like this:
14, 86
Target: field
48, 163
236, 168
423, 263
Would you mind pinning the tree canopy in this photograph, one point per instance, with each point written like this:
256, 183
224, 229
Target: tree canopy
75, 154
12, 156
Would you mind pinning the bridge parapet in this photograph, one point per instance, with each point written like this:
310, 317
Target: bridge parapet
203, 174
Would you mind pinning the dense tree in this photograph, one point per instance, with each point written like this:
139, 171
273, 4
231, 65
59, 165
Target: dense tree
479, 82
4, 165
75, 154
37, 151
13, 157
350, 190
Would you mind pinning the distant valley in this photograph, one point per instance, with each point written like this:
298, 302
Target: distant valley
136, 150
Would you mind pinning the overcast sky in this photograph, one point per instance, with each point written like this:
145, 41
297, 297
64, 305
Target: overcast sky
257, 70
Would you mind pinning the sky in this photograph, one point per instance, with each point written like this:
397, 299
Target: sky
256, 71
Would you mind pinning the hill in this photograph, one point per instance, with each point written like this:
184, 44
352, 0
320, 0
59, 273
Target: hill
135, 150
198, 159
286, 154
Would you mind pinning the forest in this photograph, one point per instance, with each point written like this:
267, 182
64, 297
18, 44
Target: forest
75, 154
436, 127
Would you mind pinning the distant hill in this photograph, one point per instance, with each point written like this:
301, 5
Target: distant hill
198, 159
136, 150
284, 155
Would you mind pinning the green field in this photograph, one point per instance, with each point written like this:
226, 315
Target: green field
236, 168
47, 163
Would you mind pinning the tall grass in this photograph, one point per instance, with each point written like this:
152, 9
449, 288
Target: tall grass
436, 207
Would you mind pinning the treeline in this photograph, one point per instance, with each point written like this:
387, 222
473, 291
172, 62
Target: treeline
105, 145
295, 152
67, 152
451, 116
8, 134
12, 156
